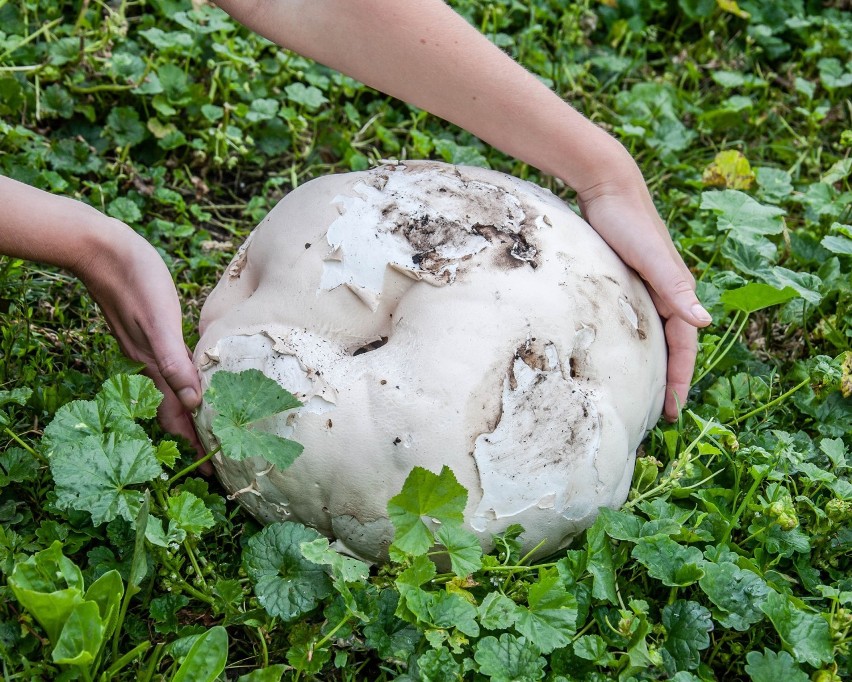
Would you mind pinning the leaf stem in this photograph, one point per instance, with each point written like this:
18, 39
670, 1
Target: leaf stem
682, 460
498, 569
103, 87
718, 355
325, 639
154, 660
161, 498
712, 260
588, 626
31, 37
124, 660
777, 400
672, 595
191, 554
122, 613
22, 67
41, 458
265, 651
195, 592
739, 512
192, 467
528, 555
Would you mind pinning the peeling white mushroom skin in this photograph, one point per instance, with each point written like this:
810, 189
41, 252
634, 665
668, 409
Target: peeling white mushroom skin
432, 315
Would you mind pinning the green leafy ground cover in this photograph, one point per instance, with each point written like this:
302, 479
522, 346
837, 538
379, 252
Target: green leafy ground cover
730, 560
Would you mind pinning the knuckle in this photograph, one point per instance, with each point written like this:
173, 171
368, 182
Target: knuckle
171, 367
683, 283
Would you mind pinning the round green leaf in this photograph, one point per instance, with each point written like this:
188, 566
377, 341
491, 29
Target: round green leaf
286, 584
509, 659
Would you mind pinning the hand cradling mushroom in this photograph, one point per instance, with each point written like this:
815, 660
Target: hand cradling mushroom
429, 315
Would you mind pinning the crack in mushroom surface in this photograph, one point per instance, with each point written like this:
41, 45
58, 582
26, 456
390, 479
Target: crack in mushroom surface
429, 315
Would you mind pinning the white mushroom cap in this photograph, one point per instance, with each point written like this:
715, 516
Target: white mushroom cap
432, 315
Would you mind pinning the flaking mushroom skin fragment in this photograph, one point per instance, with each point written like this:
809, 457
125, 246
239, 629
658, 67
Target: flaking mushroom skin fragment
428, 315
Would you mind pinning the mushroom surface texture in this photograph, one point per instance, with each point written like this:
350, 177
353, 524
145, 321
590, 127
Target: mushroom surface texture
426, 315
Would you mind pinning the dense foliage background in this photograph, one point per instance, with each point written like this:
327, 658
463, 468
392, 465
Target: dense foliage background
731, 560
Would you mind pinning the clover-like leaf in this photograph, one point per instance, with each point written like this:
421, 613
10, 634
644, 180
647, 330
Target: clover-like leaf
463, 548
449, 610
746, 219
729, 170
344, 571
593, 648
550, 619
838, 245
73, 422
806, 634
344, 568
127, 397
286, 584
736, 592
306, 657
163, 536
239, 442
497, 612
509, 659
438, 665
756, 296
687, 626
600, 563
97, 476
124, 127
425, 496
669, 561
167, 453
189, 513
18, 396
248, 396
16, 466
414, 602
390, 636
120, 402
164, 612
623, 525
241, 399
835, 450
309, 96
772, 667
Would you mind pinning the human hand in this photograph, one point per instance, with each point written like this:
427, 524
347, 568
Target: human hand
132, 285
622, 212
126, 277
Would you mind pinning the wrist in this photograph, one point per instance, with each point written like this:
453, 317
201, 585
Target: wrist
99, 247
599, 165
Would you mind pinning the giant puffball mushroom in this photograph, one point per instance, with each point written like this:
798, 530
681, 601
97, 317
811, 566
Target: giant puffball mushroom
429, 315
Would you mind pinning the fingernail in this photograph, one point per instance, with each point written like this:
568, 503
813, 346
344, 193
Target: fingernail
188, 397
701, 314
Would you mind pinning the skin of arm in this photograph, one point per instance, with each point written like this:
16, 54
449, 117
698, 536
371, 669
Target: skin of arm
126, 277
426, 54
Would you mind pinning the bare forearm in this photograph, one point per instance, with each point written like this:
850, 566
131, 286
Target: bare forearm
39, 226
123, 273
426, 54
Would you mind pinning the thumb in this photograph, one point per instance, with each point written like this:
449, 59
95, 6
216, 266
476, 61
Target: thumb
670, 279
175, 365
